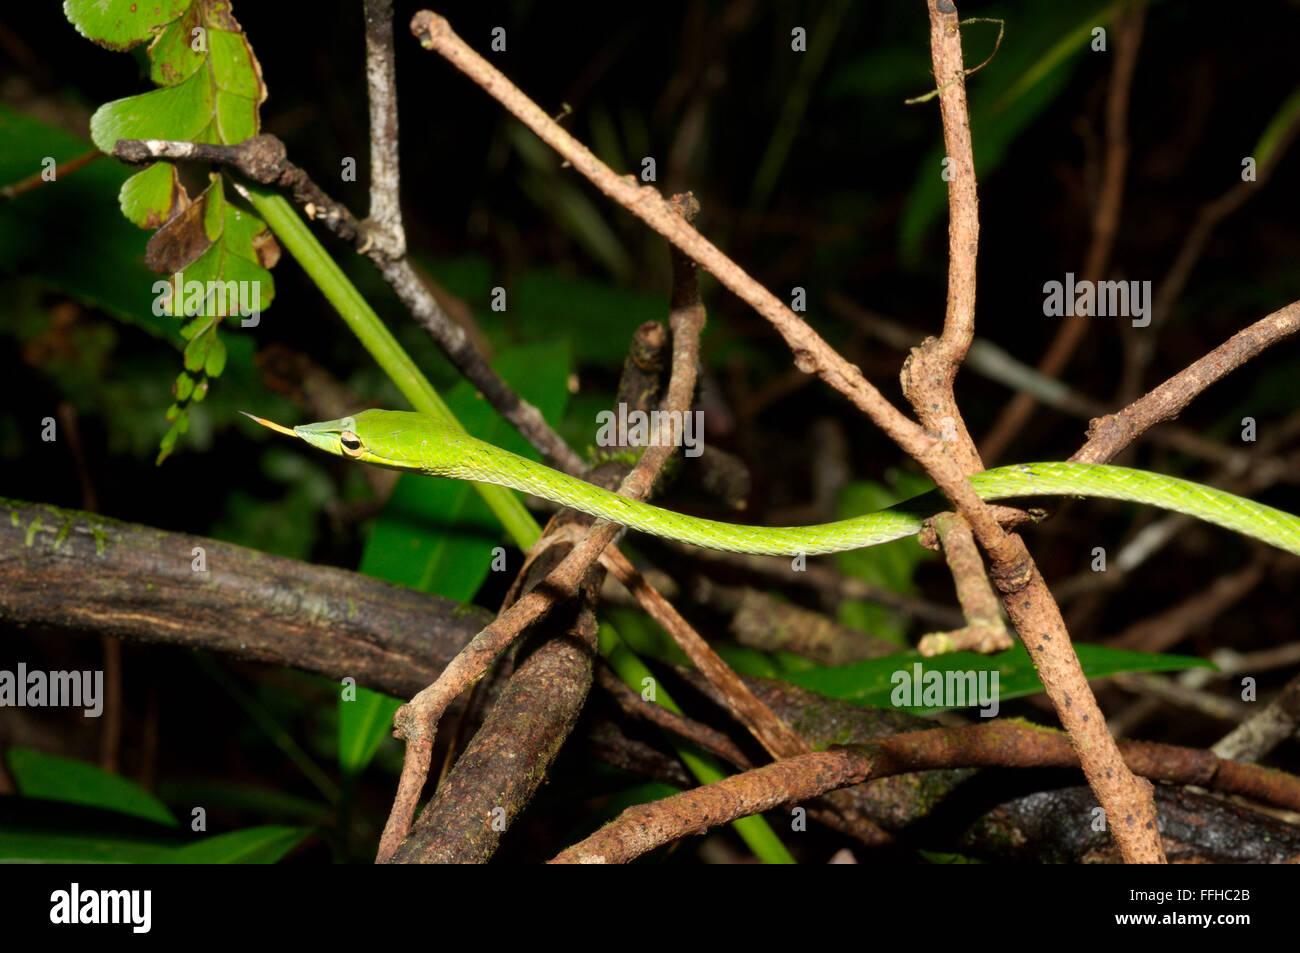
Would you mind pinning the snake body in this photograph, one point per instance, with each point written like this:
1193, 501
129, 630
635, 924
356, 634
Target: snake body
408, 441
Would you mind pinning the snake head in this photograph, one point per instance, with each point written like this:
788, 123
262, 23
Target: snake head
398, 440
339, 437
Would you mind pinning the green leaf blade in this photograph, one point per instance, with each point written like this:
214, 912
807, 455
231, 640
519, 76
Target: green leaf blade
54, 778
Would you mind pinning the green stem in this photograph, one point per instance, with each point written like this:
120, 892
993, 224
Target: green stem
294, 235
324, 271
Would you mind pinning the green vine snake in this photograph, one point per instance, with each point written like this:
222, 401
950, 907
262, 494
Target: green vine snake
402, 440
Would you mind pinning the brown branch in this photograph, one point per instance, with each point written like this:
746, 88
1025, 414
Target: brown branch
1109, 435
386, 230
38, 179
1194, 829
71, 570
1263, 732
774, 734
825, 579
416, 722
1007, 743
501, 769
984, 630
988, 360
1161, 631
812, 353
763, 621
930, 370
262, 159
269, 609
686, 321
710, 739
1162, 688
1026, 827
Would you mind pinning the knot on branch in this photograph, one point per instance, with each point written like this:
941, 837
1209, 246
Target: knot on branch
262, 158
405, 723
1011, 571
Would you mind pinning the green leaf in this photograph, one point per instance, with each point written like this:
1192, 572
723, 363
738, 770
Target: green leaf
214, 252
120, 26
936, 857
173, 58
438, 535
871, 682
52, 847
181, 112
216, 359
209, 94
150, 198
565, 202
253, 845
363, 723
210, 87
54, 778
245, 798
599, 317
196, 352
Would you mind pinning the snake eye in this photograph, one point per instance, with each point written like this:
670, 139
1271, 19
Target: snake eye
351, 444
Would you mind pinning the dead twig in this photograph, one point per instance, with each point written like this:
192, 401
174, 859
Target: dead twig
984, 631
1109, 435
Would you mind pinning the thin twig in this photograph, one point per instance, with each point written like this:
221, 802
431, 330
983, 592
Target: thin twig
381, 83
825, 579
39, 179
774, 734
1263, 732
984, 630
991, 361
1109, 435
930, 370
534, 712
710, 739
